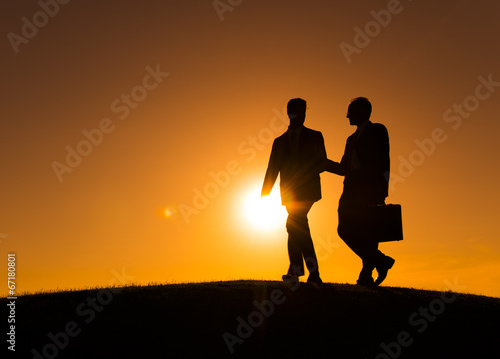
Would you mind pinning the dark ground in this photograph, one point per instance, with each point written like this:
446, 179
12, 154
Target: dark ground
256, 319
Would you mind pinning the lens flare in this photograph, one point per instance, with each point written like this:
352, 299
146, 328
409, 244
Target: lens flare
264, 213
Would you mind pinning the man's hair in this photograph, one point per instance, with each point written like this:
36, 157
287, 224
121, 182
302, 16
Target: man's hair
296, 105
363, 104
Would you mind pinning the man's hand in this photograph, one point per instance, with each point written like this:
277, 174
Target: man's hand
330, 166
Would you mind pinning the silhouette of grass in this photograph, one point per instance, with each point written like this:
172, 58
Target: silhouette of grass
200, 319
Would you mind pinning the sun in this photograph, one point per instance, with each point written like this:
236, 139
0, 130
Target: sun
266, 213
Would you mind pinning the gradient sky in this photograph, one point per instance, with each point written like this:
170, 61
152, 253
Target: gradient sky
185, 97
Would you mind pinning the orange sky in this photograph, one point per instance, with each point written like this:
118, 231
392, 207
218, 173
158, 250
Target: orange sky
161, 101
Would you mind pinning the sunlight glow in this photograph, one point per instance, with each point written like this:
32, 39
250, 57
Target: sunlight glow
266, 213
169, 212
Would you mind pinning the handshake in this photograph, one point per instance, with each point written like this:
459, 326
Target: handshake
324, 164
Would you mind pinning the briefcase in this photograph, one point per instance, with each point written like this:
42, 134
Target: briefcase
385, 222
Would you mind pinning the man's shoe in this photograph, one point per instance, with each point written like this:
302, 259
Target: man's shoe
290, 278
314, 278
368, 282
365, 276
383, 268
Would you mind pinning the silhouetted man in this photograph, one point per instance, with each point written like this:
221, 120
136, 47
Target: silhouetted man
365, 165
297, 156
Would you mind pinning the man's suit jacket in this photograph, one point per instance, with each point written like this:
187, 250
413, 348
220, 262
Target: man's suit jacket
299, 173
365, 165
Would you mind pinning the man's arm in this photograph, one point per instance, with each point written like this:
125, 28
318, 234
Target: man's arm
333, 167
375, 164
336, 167
379, 152
320, 147
324, 164
272, 171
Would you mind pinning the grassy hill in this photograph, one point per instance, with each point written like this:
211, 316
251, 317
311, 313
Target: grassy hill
257, 319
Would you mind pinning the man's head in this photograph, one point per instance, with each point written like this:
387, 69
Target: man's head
296, 110
359, 111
